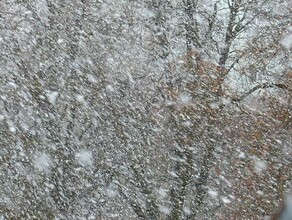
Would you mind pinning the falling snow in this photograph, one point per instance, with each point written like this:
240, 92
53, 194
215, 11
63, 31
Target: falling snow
286, 40
43, 162
84, 157
145, 109
260, 165
52, 97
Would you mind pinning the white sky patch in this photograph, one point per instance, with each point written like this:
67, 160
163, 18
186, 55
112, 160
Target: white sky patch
12, 129
214, 105
91, 78
80, 99
226, 200
41, 6
109, 88
184, 98
146, 12
286, 41
231, 197
11, 126
111, 193
60, 41
260, 165
43, 162
212, 193
225, 101
130, 77
84, 158
288, 201
162, 192
42, 9
165, 210
187, 123
260, 192
52, 97
237, 83
241, 155
1, 117
24, 126
187, 210
11, 85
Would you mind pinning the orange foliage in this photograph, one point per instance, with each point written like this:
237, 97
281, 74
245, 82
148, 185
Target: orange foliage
211, 75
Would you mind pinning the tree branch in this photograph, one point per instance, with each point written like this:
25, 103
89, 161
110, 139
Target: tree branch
262, 86
135, 205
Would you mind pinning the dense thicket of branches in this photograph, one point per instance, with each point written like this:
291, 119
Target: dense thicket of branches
144, 109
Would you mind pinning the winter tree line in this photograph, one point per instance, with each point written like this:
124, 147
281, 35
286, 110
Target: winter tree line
122, 109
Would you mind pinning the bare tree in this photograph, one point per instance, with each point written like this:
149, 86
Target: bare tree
144, 110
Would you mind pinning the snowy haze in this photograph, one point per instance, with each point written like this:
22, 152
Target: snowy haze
146, 110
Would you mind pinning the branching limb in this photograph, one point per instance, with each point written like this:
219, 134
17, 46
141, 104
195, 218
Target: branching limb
262, 86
